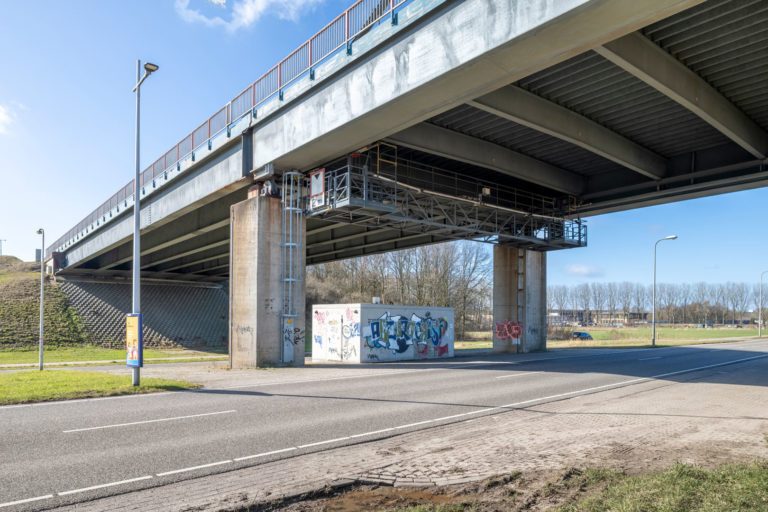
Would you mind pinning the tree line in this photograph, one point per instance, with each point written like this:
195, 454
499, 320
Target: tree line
455, 274
459, 275
701, 303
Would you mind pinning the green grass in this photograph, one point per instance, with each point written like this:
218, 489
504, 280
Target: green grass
665, 333
682, 488
36, 386
626, 337
641, 336
92, 353
472, 344
20, 309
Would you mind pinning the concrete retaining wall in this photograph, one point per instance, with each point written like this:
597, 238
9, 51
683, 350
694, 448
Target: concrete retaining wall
174, 315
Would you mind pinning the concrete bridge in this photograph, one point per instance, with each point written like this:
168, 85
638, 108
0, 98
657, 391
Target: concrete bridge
405, 123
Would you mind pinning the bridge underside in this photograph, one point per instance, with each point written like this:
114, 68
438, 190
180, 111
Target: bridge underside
675, 110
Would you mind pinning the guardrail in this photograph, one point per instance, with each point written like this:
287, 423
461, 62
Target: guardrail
337, 34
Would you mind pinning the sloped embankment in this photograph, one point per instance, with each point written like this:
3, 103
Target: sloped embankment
19, 308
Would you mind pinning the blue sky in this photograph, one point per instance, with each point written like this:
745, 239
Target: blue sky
67, 121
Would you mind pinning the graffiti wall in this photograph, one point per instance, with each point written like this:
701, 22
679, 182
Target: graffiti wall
364, 333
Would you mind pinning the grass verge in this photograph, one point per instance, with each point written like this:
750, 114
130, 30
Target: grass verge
36, 386
93, 353
681, 488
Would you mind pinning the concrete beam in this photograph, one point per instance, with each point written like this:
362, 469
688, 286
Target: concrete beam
468, 49
151, 247
197, 260
454, 145
181, 252
211, 252
641, 57
522, 107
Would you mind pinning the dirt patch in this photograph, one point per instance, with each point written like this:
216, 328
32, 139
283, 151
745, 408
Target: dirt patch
509, 492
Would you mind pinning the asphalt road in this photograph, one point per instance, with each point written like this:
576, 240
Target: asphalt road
67, 452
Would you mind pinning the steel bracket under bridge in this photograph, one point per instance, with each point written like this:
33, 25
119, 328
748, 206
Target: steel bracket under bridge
353, 194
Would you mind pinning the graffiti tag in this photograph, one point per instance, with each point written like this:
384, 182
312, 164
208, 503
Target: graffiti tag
508, 330
293, 335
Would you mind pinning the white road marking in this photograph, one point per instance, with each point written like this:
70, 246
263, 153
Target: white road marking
28, 500
649, 358
614, 385
329, 441
102, 486
375, 375
193, 468
517, 375
148, 421
265, 454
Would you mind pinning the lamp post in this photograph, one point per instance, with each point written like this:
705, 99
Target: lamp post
136, 277
655, 247
41, 232
760, 308
1, 246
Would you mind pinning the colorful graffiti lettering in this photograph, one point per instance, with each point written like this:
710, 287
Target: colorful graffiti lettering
399, 333
508, 330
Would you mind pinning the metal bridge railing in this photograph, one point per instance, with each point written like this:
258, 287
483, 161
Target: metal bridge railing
338, 34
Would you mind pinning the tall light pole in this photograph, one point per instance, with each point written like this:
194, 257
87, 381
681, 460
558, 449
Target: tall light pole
136, 277
1, 246
655, 247
41, 232
760, 308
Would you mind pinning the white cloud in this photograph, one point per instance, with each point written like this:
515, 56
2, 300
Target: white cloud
6, 119
584, 270
245, 13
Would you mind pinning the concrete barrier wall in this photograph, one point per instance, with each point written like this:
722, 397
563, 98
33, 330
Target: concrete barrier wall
174, 315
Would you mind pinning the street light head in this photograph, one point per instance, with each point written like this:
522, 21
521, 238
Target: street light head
670, 237
151, 68
40, 231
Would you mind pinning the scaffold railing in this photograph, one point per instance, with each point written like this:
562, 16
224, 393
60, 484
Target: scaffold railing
410, 197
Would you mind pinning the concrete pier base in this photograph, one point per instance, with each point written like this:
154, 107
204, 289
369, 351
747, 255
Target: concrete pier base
519, 300
256, 337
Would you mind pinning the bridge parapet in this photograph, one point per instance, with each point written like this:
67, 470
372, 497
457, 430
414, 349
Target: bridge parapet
364, 25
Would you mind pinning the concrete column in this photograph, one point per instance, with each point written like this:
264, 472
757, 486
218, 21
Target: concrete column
505, 284
519, 299
535, 320
255, 285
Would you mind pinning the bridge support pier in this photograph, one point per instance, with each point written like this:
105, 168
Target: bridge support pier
519, 299
256, 286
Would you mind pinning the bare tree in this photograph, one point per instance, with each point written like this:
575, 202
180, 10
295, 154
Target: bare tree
559, 296
684, 295
598, 299
640, 299
612, 299
700, 298
625, 298
583, 297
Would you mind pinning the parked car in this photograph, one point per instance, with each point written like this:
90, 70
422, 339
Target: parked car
581, 335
